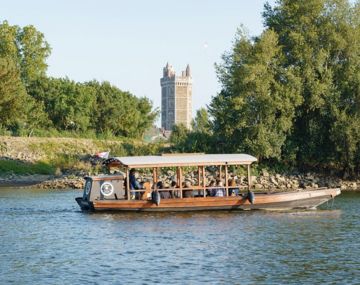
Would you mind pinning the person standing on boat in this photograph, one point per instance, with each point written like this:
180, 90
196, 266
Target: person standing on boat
134, 184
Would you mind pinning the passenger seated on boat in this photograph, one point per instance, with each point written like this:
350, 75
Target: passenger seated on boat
209, 191
134, 184
163, 194
188, 193
220, 191
175, 194
233, 191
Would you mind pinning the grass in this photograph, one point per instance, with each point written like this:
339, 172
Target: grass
23, 168
53, 155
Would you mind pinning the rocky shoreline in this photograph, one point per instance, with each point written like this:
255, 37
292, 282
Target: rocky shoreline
43, 181
264, 182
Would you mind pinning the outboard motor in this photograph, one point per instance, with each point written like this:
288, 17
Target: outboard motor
251, 197
155, 197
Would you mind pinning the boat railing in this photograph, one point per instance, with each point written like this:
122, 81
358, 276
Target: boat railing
193, 188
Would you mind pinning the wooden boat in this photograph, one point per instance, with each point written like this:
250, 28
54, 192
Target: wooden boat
112, 193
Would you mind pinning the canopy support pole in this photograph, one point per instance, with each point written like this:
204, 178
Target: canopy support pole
180, 184
199, 177
226, 181
127, 183
249, 177
155, 177
204, 180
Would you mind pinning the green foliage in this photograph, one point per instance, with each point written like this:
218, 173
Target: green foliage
27, 47
12, 94
199, 139
201, 123
291, 94
321, 38
256, 107
178, 138
68, 104
33, 104
120, 113
22, 168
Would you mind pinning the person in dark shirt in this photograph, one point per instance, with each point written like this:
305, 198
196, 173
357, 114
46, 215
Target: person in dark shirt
163, 194
134, 184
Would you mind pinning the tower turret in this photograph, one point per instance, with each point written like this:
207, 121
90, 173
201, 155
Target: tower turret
188, 71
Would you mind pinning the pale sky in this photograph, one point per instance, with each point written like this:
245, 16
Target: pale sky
129, 42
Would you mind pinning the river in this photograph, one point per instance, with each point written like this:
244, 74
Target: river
45, 239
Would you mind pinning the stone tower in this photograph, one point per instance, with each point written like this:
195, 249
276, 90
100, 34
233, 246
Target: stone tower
176, 102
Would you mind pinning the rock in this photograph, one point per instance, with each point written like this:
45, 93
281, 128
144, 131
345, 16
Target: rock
280, 178
314, 185
265, 173
58, 172
273, 180
343, 187
258, 186
253, 179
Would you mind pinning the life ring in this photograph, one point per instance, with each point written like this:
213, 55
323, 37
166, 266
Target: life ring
107, 189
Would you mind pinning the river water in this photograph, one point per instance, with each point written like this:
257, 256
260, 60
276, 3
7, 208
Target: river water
45, 239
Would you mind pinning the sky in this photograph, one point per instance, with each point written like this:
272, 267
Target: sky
129, 42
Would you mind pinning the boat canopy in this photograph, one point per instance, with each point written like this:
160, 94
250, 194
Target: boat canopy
181, 160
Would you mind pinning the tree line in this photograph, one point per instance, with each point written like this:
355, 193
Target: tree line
31, 102
290, 95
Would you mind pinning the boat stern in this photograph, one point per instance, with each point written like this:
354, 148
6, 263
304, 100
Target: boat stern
85, 205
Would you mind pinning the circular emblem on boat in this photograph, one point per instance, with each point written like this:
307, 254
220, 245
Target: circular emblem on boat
107, 189
87, 187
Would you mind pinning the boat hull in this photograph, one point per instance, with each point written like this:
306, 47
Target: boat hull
263, 201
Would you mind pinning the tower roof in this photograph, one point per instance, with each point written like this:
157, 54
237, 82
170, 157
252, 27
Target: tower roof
188, 71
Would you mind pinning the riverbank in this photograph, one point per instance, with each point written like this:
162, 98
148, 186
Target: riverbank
60, 163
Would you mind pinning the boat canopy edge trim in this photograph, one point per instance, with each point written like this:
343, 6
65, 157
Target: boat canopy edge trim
182, 160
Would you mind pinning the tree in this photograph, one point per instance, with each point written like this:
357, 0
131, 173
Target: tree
12, 94
120, 113
178, 137
320, 38
256, 107
201, 123
27, 48
33, 52
69, 105
60, 102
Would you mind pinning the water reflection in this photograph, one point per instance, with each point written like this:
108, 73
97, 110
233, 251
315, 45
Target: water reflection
46, 238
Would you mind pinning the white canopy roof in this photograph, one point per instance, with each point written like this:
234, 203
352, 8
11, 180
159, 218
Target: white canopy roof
184, 160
